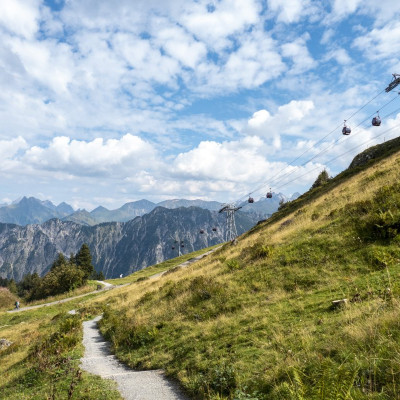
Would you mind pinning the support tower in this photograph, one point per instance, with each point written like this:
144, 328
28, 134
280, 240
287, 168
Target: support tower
230, 210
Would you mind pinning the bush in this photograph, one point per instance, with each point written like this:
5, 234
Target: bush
380, 219
259, 250
59, 280
233, 264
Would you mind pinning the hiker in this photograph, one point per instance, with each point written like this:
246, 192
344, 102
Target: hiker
17, 305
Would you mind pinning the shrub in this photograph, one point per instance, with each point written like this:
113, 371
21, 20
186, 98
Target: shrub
381, 219
233, 264
259, 250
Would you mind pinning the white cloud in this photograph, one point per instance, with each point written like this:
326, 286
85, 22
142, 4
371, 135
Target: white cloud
9, 148
259, 118
20, 17
181, 46
289, 11
98, 157
378, 43
298, 52
345, 7
49, 62
340, 55
228, 18
264, 124
327, 36
236, 161
255, 62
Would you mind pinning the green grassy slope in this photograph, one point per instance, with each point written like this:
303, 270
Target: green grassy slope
255, 321
43, 359
161, 267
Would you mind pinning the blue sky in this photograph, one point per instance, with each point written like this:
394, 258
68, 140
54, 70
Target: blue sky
108, 102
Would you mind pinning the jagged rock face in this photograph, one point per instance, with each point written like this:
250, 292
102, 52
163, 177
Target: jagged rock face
116, 247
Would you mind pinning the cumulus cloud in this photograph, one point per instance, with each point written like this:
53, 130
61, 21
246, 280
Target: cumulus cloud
231, 161
112, 157
264, 124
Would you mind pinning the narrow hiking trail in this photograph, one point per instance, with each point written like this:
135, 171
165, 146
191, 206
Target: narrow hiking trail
133, 385
107, 286
187, 263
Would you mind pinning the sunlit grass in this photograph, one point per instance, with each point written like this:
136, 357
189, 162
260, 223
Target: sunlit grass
21, 377
259, 314
157, 268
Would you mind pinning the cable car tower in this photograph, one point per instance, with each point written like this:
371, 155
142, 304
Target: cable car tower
230, 209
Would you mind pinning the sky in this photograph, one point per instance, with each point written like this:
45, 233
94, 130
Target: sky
105, 102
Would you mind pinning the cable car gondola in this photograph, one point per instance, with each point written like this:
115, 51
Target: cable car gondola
376, 121
173, 247
182, 245
214, 229
201, 231
346, 129
251, 200
269, 194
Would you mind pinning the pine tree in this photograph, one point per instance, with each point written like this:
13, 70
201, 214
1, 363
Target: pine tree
60, 260
322, 178
83, 260
72, 259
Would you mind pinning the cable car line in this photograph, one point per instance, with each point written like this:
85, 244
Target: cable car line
338, 141
279, 176
340, 155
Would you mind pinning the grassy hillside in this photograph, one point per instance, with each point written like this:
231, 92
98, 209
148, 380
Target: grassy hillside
256, 321
42, 361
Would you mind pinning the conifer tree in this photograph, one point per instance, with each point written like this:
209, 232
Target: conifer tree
83, 260
60, 260
322, 178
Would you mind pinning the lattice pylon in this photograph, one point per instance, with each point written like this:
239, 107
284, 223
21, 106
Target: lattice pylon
231, 232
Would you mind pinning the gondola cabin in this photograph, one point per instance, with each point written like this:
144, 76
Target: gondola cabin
346, 129
251, 200
173, 247
182, 245
269, 194
376, 121
201, 231
214, 229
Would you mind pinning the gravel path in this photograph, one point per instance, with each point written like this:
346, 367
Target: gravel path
107, 286
133, 385
187, 263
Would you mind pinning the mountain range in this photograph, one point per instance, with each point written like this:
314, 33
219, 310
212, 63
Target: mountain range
116, 247
30, 210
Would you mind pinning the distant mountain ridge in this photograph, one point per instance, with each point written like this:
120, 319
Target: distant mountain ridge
116, 247
30, 210
33, 211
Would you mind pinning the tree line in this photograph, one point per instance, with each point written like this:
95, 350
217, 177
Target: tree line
65, 274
